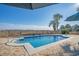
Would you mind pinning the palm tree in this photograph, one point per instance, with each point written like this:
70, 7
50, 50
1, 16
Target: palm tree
55, 22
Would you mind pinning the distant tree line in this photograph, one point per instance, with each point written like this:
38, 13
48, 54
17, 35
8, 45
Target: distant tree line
65, 29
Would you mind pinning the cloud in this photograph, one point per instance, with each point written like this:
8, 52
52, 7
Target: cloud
8, 26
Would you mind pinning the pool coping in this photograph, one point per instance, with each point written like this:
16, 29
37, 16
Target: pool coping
34, 50
31, 50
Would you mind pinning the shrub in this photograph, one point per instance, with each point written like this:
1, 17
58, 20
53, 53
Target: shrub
65, 31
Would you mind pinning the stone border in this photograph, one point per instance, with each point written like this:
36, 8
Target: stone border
34, 50
31, 50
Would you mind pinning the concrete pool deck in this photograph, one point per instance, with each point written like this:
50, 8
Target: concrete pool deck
54, 49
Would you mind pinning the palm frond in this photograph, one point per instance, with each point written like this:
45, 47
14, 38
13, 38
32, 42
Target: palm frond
51, 23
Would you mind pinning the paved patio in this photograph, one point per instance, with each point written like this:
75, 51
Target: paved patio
54, 50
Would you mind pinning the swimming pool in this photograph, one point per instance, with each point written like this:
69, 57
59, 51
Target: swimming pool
40, 40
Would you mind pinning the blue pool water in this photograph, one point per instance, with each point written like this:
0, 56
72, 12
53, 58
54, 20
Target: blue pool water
40, 40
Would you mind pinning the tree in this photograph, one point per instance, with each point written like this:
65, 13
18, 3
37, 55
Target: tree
68, 27
75, 27
62, 27
55, 22
65, 29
